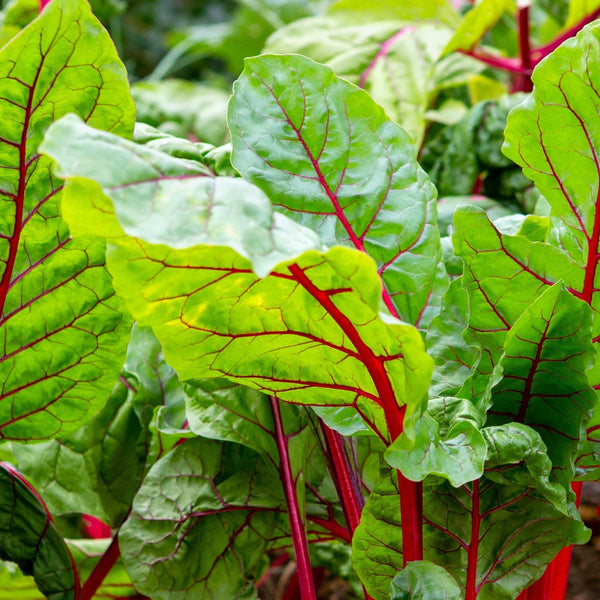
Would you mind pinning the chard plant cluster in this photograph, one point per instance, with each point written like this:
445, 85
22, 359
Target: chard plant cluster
216, 355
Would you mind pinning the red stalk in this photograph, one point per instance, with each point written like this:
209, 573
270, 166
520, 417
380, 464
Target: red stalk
298, 530
411, 497
101, 570
345, 478
43, 3
523, 82
471, 588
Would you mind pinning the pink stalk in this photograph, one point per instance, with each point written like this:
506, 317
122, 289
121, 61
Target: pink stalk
101, 570
43, 3
298, 530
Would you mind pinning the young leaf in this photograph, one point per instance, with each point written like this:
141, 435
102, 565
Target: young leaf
62, 329
316, 145
422, 580
447, 442
29, 537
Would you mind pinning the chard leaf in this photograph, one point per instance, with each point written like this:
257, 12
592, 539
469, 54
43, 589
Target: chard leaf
503, 274
174, 201
454, 357
62, 329
29, 537
316, 145
200, 491
447, 442
422, 580
544, 385
95, 470
15, 585
309, 332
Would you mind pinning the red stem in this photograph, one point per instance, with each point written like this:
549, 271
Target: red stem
101, 570
411, 503
345, 478
471, 589
540, 53
298, 530
523, 82
43, 3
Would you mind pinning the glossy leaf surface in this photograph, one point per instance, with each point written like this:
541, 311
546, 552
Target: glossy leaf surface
316, 144
29, 537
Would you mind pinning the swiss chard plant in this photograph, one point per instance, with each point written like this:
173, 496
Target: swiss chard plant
214, 358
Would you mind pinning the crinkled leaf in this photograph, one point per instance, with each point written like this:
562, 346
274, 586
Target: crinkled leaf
377, 541
95, 470
447, 442
544, 385
514, 495
476, 23
61, 327
29, 538
202, 492
315, 143
453, 356
422, 580
168, 200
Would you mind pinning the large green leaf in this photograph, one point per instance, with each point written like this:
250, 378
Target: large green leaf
29, 537
316, 145
309, 331
62, 329
201, 523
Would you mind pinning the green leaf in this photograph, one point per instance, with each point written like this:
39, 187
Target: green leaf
168, 200
309, 332
477, 22
395, 61
15, 585
95, 470
201, 491
388, 9
447, 442
62, 329
422, 580
544, 385
454, 357
314, 143
29, 537
503, 275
